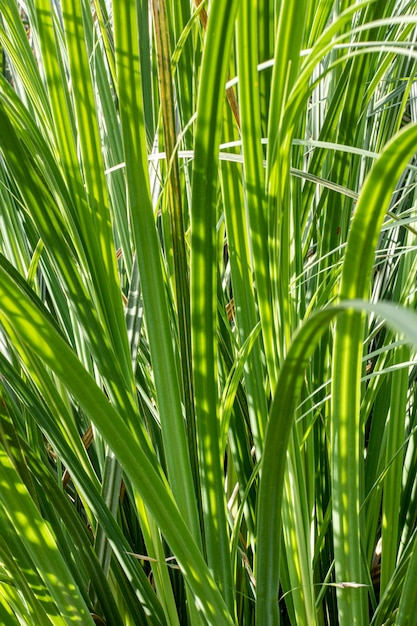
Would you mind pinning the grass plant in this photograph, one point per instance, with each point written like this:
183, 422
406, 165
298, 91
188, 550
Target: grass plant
207, 326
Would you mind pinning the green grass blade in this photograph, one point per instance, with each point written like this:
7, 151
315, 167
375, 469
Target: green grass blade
393, 477
149, 263
277, 438
346, 429
39, 543
269, 502
177, 230
408, 602
203, 288
254, 188
23, 322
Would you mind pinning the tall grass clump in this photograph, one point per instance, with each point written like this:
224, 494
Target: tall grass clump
207, 326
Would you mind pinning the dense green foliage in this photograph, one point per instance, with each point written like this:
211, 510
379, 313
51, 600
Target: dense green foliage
207, 335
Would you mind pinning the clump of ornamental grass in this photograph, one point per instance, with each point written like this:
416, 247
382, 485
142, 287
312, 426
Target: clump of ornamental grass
207, 336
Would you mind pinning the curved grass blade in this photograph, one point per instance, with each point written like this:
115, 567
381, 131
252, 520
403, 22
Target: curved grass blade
286, 398
26, 326
270, 495
38, 543
347, 460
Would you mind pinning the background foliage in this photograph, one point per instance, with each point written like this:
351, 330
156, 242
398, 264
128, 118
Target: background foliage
207, 364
